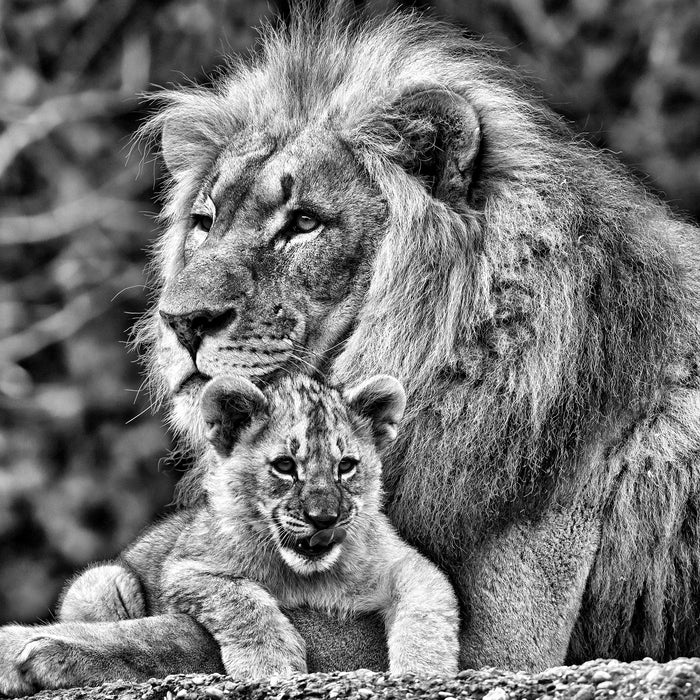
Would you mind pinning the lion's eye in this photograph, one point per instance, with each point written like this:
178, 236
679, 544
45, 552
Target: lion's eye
284, 465
346, 465
296, 229
304, 223
203, 222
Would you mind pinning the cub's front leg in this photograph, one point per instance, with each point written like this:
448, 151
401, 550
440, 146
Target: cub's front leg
256, 639
422, 617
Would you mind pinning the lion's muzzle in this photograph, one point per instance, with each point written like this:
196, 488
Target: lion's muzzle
190, 328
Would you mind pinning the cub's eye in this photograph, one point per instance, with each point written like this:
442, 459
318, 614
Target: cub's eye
304, 223
346, 465
284, 465
203, 222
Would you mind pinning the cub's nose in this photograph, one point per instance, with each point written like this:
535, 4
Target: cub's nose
322, 519
190, 328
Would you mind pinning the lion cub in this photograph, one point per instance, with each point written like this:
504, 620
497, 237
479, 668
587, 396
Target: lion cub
292, 518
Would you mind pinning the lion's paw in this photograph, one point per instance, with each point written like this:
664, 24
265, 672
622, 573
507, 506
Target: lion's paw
46, 662
13, 679
31, 661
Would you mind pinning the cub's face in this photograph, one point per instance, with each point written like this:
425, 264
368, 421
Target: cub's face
266, 264
300, 462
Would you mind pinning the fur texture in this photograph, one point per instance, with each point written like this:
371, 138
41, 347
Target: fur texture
251, 551
542, 313
225, 571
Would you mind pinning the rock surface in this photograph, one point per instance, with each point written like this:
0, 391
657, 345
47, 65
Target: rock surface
590, 681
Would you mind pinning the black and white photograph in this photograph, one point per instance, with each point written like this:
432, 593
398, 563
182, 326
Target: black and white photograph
349, 349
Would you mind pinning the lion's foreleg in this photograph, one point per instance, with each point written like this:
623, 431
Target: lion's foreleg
104, 593
522, 592
345, 644
88, 653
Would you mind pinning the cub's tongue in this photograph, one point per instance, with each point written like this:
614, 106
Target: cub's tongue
326, 537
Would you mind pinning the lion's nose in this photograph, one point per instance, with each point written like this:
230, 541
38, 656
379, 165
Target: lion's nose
322, 519
190, 328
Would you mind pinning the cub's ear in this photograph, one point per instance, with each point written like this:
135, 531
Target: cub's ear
228, 405
382, 399
440, 136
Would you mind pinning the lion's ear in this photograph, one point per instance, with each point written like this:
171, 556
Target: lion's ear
382, 400
441, 134
228, 405
186, 144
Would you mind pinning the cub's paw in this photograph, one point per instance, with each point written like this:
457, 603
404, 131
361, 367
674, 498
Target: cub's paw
240, 662
420, 667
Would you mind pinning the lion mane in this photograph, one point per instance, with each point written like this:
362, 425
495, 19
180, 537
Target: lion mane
545, 326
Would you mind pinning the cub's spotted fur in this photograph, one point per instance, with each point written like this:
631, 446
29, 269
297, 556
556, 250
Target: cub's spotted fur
292, 519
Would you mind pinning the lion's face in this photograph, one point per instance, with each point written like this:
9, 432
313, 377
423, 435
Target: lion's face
271, 266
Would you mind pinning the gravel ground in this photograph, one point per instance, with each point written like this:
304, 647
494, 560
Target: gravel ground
592, 680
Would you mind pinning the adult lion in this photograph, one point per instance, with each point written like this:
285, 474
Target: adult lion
381, 196
384, 198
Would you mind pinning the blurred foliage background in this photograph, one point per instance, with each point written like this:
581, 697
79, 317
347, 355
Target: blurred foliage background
83, 462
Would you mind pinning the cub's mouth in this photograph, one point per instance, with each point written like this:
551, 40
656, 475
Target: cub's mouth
319, 544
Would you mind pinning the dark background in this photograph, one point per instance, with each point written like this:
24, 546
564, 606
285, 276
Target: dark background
83, 462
